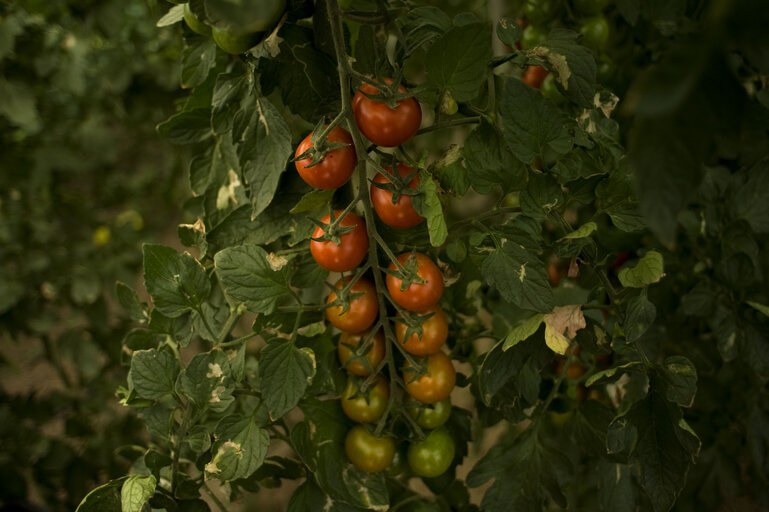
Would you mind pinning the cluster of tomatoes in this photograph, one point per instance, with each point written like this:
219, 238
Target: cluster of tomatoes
539, 18
237, 41
414, 284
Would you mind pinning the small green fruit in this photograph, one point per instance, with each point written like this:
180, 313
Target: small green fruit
234, 42
195, 23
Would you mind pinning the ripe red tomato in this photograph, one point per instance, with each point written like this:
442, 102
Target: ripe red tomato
417, 296
430, 416
352, 247
335, 168
369, 407
432, 456
400, 214
362, 311
436, 384
381, 124
435, 330
366, 451
534, 76
375, 354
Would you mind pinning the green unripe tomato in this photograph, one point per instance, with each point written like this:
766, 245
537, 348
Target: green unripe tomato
195, 23
590, 7
432, 456
366, 451
369, 407
595, 32
532, 36
538, 11
430, 416
234, 42
550, 90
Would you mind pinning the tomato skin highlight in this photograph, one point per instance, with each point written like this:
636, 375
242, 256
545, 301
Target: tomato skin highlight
362, 312
335, 168
235, 43
435, 331
534, 76
433, 455
374, 356
352, 247
436, 384
368, 408
400, 214
430, 416
418, 296
366, 451
381, 124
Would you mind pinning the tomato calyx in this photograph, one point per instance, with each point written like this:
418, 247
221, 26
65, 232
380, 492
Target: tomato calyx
360, 353
407, 272
345, 295
332, 230
397, 183
320, 145
388, 91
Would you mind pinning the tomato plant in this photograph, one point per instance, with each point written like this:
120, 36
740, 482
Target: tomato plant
235, 349
359, 313
430, 416
434, 331
417, 296
398, 213
436, 384
432, 456
335, 167
365, 406
367, 452
351, 248
382, 125
349, 345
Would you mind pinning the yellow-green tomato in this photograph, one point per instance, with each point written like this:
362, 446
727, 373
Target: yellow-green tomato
595, 32
432, 456
235, 42
366, 451
430, 416
369, 407
195, 23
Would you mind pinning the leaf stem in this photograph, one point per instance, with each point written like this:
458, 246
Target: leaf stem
214, 498
449, 124
181, 434
229, 324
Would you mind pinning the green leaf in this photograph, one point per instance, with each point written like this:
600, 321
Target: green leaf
458, 61
285, 371
18, 105
542, 195
680, 378
508, 31
533, 127
431, 209
422, 25
759, 307
268, 143
129, 301
497, 369
663, 450
649, 270
104, 497
523, 330
136, 491
153, 373
639, 316
177, 283
187, 127
452, 175
174, 15
615, 487
239, 450
313, 201
207, 381
751, 199
573, 65
520, 278
610, 372
584, 231
489, 163
298, 64
11, 26
248, 275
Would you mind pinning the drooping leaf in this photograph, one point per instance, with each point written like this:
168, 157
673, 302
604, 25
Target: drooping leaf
286, 372
136, 491
648, 270
239, 450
